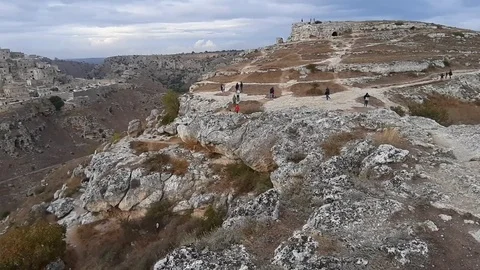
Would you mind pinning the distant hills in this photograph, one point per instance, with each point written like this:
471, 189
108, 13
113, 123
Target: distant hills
95, 61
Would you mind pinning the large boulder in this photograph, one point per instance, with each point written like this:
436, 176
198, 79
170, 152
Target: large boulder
134, 128
236, 257
61, 207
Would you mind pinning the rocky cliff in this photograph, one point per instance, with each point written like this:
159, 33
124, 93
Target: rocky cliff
173, 71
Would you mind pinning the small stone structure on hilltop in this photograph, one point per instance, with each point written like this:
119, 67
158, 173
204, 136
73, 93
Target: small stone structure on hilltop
308, 30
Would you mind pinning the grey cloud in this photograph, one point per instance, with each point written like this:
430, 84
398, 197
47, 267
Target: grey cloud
75, 28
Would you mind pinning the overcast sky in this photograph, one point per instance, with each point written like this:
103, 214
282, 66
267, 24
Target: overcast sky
97, 28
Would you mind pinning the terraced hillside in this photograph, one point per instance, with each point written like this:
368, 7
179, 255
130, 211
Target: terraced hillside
373, 57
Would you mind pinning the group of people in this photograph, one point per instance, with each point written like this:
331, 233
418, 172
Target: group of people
238, 88
447, 74
366, 97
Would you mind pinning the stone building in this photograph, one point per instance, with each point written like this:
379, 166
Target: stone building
4, 54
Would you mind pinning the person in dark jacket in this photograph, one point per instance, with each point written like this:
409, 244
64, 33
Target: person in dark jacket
450, 73
327, 93
365, 99
241, 86
272, 92
237, 86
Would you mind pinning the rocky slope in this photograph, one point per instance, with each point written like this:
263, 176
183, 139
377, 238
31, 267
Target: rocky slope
173, 71
294, 182
383, 201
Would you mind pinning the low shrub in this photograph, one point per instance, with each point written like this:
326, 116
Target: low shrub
399, 23
212, 219
428, 110
446, 62
57, 102
315, 90
165, 163
333, 144
459, 34
244, 179
141, 147
390, 136
312, 68
171, 104
398, 109
117, 136
4, 214
32, 247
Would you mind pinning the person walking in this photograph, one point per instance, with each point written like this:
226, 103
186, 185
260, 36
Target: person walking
222, 88
365, 99
441, 76
241, 86
237, 86
272, 92
236, 102
327, 93
450, 73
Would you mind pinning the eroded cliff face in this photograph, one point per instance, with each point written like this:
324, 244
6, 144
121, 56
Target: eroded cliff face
363, 207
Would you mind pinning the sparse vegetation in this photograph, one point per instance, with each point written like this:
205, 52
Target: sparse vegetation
312, 68
399, 23
390, 136
398, 109
459, 34
117, 136
315, 90
446, 62
4, 214
165, 163
429, 110
32, 247
250, 106
333, 144
447, 110
147, 146
57, 102
171, 105
244, 179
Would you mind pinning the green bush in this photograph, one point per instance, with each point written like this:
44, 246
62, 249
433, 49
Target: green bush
399, 110
116, 137
244, 179
4, 214
459, 34
212, 220
32, 247
430, 110
159, 212
446, 62
399, 23
171, 104
311, 67
57, 102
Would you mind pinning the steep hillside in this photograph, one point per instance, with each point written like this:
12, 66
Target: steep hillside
294, 181
173, 71
36, 137
76, 69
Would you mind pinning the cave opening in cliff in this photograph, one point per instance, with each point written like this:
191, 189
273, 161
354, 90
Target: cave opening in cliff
334, 34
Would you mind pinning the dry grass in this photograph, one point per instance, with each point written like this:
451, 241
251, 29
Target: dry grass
249, 107
262, 90
147, 146
392, 79
276, 76
208, 87
327, 245
319, 75
390, 136
165, 163
241, 178
458, 112
317, 88
136, 243
333, 144
195, 146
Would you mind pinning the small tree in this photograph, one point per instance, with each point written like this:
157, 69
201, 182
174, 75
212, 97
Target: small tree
32, 247
57, 102
171, 105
